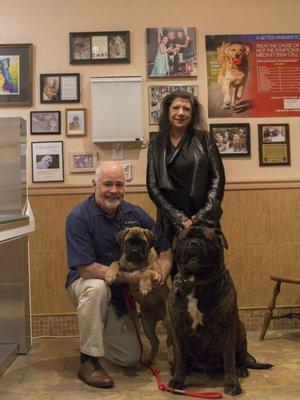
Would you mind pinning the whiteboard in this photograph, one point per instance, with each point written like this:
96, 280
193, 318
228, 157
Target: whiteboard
116, 109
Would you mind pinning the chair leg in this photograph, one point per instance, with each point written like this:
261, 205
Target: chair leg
269, 312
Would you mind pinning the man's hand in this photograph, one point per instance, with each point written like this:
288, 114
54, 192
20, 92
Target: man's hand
92, 271
187, 223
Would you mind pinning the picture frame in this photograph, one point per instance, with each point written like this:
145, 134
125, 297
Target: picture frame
60, 88
152, 134
274, 144
81, 162
16, 74
47, 162
232, 140
156, 93
75, 121
45, 122
99, 47
171, 52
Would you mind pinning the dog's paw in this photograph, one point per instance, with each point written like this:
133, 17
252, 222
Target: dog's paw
233, 388
110, 276
145, 287
176, 383
242, 371
225, 107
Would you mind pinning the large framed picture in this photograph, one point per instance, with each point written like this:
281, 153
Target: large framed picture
83, 162
16, 74
171, 52
45, 122
274, 144
232, 139
158, 92
60, 88
76, 122
99, 47
47, 162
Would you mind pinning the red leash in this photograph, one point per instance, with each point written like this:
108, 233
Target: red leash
131, 306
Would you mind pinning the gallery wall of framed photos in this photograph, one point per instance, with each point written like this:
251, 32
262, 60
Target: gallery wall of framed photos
56, 64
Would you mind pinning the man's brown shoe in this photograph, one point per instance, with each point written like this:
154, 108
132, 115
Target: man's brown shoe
91, 373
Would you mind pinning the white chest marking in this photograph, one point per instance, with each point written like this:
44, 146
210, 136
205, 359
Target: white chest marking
196, 315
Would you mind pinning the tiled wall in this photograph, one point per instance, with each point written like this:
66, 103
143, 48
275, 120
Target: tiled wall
66, 325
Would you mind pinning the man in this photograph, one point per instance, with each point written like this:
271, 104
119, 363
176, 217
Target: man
105, 329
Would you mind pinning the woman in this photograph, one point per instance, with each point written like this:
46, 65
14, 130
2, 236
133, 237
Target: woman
185, 173
186, 50
161, 64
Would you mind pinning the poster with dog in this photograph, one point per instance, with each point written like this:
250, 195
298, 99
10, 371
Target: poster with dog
253, 75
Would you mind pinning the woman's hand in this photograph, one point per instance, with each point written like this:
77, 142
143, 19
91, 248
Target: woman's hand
187, 223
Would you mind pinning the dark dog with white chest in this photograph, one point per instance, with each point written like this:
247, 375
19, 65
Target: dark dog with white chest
207, 332
139, 255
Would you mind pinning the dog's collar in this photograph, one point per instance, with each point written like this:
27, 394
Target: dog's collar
204, 281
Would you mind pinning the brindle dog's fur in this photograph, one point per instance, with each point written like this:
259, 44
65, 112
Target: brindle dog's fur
139, 254
207, 332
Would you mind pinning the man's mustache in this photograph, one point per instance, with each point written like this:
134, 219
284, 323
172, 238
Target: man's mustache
112, 197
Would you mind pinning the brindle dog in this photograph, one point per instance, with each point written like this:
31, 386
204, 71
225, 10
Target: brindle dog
207, 332
139, 254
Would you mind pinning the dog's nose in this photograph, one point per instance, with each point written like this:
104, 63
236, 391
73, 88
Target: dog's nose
134, 251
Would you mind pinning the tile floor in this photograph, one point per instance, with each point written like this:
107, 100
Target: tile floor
49, 372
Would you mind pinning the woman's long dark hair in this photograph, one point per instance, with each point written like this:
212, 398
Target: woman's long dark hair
197, 122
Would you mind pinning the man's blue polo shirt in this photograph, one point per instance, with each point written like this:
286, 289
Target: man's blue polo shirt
91, 237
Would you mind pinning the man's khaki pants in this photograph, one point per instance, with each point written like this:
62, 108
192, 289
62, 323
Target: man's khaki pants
101, 331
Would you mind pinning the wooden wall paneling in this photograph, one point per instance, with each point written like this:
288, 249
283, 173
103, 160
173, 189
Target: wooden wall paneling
231, 221
262, 228
259, 209
288, 216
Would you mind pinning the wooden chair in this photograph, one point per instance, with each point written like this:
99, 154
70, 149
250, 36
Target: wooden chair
269, 313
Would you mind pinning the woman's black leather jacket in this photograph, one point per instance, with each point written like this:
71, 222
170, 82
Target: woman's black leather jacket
205, 186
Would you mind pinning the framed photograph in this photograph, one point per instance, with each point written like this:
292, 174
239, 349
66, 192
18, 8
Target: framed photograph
127, 167
99, 47
232, 139
158, 92
274, 144
171, 52
47, 162
83, 162
75, 121
152, 134
45, 122
16, 74
60, 88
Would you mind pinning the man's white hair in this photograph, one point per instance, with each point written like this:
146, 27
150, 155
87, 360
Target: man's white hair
107, 164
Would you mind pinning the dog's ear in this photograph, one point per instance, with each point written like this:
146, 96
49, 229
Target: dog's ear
121, 236
151, 237
212, 232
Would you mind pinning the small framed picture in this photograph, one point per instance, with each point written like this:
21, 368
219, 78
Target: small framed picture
76, 122
60, 88
152, 134
99, 47
45, 122
232, 140
47, 162
16, 74
127, 167
274, 144
83, 162
158, 92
